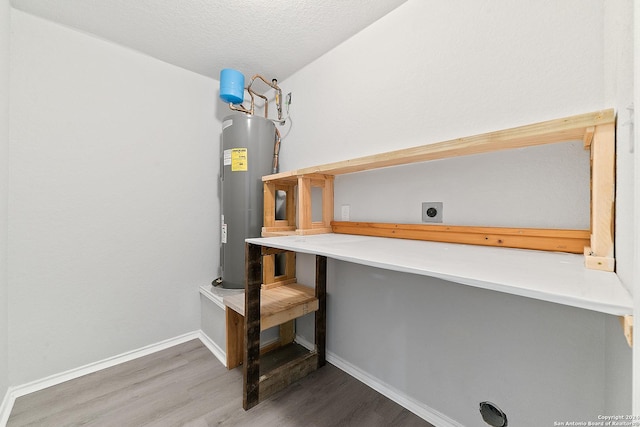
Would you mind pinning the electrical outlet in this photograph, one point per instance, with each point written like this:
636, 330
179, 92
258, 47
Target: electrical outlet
432, 211
493, 415
346, 210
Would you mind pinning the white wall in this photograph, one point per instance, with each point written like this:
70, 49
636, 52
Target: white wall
618, 92
618, 85
432, 71
112, 205
636, 142
4, 149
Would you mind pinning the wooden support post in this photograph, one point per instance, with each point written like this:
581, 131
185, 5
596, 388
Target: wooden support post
600, 255
588, 137
321, 313
251, 367
269, 205
268, 270
627, 328
304, 203
327, 202
290, 265
235, 338
287, 332
290, 208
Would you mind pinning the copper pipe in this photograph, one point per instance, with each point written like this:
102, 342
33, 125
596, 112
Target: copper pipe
276, 152
239, 107
253, 94
266, 102
273, 85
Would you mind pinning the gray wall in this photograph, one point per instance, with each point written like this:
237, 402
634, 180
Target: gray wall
452, 347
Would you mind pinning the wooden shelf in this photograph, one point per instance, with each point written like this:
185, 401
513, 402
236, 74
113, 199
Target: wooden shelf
548, 276
278, 305
596, 130
580, 127
283, 366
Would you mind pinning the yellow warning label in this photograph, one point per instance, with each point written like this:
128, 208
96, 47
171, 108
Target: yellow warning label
238, 159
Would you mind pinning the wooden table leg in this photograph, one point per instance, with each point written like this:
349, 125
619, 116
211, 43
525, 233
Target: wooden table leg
251, 367
321, 313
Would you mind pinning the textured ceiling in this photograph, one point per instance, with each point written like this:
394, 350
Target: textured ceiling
272, 37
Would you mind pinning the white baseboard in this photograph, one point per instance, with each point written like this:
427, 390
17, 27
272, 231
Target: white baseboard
423, 411
16, 391
5, 408
214, 348
420, 409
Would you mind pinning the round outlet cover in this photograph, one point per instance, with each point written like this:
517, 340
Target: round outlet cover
493, 415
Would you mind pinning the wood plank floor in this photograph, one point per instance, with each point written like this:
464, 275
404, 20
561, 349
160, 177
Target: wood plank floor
187, 386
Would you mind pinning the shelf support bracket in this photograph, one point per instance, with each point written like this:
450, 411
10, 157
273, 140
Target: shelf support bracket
627, 328
588, 137
600, 255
